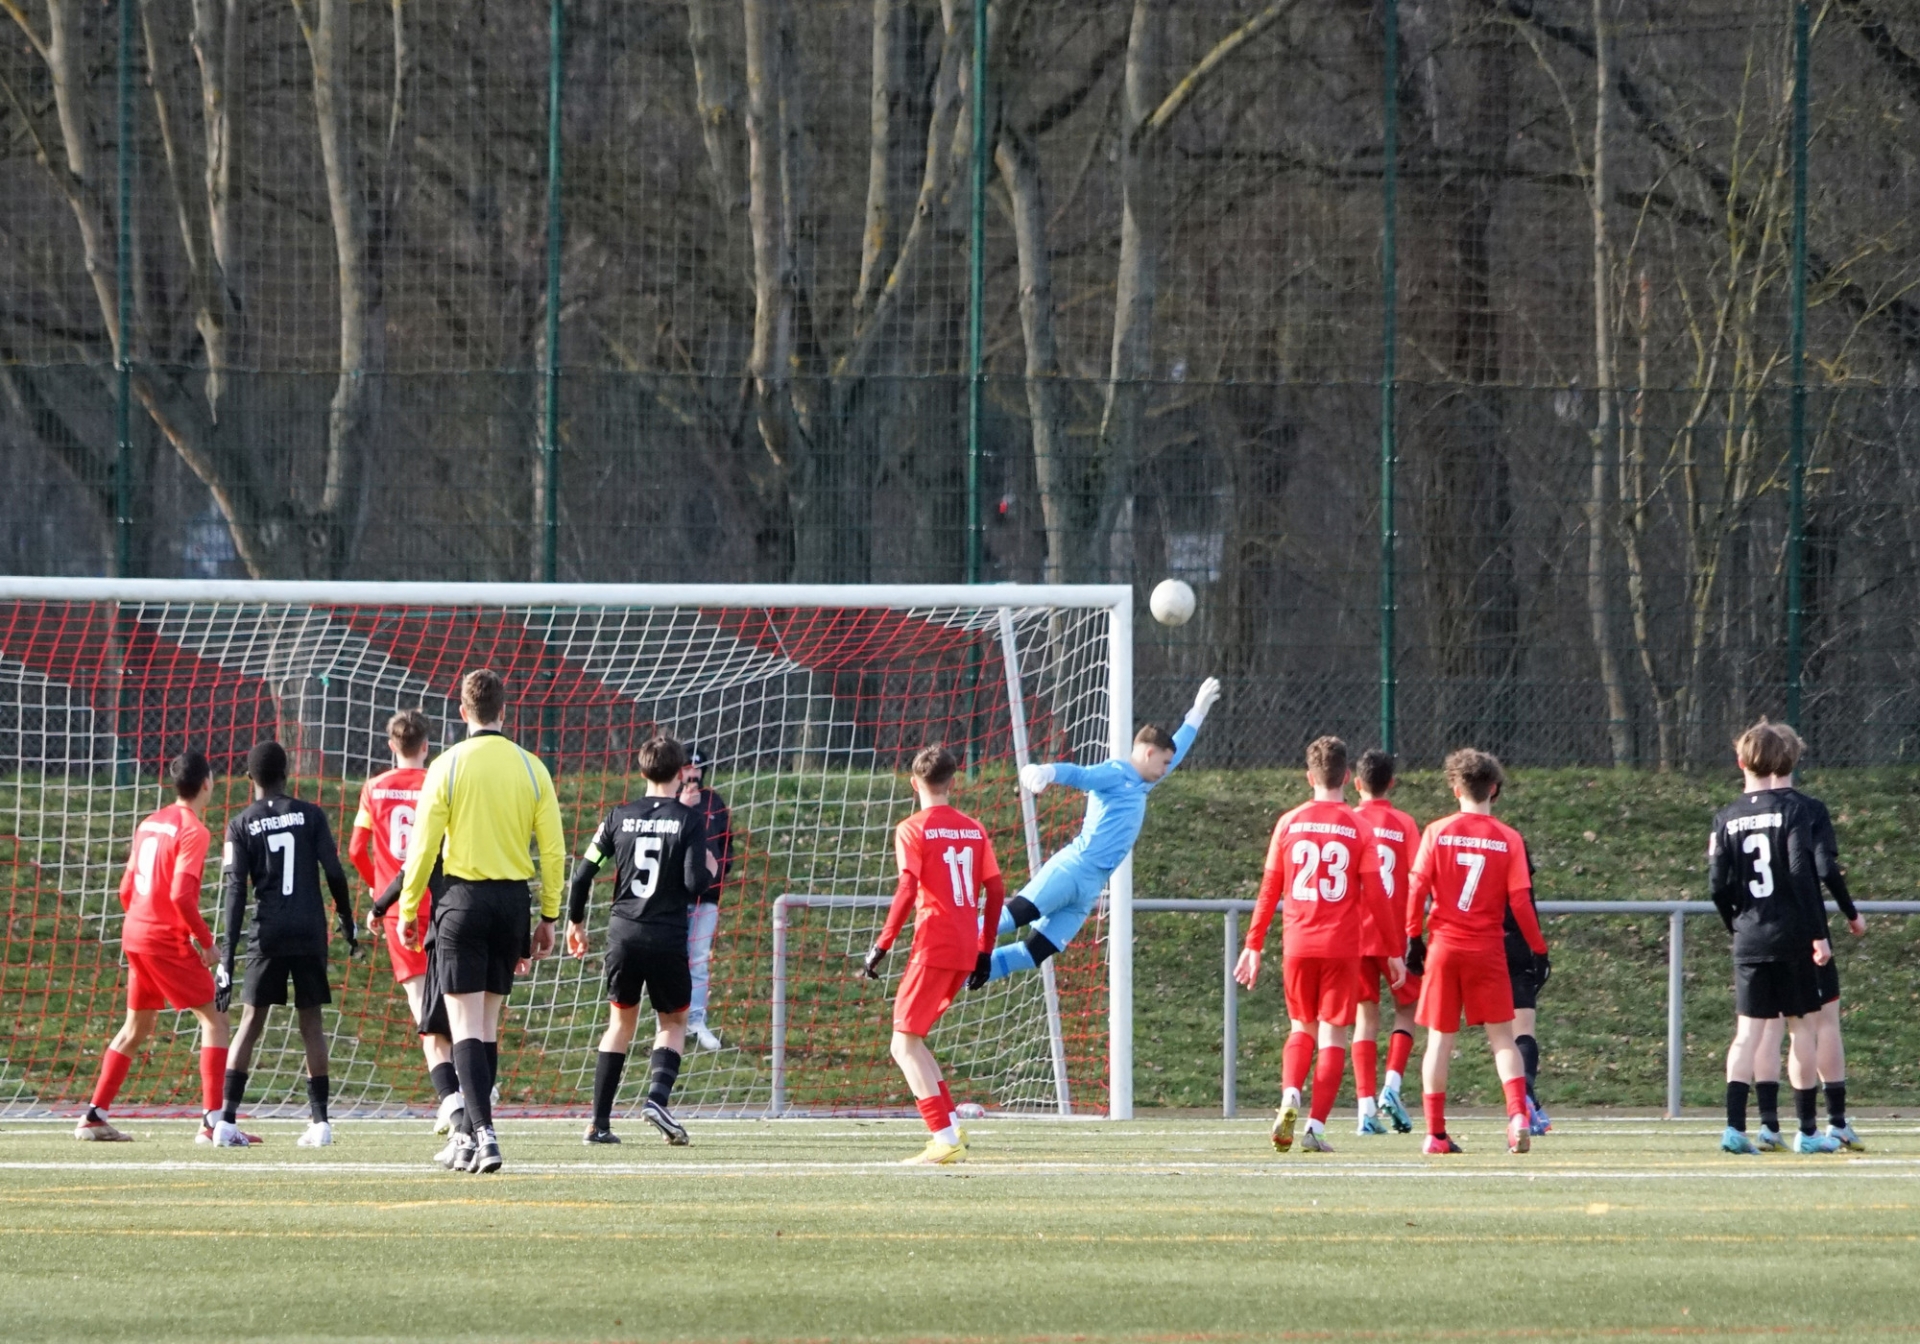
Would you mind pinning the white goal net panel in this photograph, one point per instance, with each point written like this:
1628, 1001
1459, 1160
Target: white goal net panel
809, 709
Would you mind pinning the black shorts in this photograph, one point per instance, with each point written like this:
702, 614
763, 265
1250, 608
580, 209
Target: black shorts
1767, 989
1526, 985
1828, 978
481, 931
266, 982
634, 960
433, 1003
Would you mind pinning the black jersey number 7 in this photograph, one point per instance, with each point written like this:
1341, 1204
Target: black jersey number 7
646, 866
281, 843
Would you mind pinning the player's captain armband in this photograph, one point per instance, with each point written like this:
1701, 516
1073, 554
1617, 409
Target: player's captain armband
594, 856
226, 855
1036, 778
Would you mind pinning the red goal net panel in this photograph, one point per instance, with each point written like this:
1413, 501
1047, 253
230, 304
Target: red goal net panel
809, 715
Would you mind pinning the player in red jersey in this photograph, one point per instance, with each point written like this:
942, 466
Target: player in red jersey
378, 851
1322, 860
1475, 869
1395, 835
946, 865
168, 945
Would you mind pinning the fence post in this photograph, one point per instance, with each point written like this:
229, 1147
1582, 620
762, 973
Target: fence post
1797, 428
1389, 337
777, 1100
1230, 1026
1676, 1007
550, 425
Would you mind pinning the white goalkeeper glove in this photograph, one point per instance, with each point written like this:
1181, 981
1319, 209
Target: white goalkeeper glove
1035, 778
1208, 696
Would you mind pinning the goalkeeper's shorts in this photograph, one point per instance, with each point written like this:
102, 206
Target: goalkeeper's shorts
158, 980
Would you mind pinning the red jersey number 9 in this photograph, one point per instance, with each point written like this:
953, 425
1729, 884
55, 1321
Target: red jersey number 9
960, 875
1307, 858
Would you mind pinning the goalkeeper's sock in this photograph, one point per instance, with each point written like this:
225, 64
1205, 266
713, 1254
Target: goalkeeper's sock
939, 1122
1837, 1104
1296, 1061
1399, 1051
1806, 1106
1768, 1095
114, 1067
1326, 1080
318, 1092
666, 1071
1529, 1050
1366, 1068
946, 1100
233, 1093
445, 1081
213, 1073
1435, 1105
608, 1065
1008, 958
1737, 1106
1516, 1090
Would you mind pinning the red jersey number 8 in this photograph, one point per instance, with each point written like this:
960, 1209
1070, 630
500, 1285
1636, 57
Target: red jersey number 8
1307, 858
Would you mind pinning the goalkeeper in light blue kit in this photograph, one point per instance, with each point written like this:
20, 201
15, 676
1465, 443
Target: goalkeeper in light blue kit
1054, 905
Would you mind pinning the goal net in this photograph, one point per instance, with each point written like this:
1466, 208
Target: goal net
808, 702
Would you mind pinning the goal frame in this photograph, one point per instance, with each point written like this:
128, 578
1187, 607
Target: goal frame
1115, 599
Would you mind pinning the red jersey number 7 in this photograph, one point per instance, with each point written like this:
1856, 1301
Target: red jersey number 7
1475, 864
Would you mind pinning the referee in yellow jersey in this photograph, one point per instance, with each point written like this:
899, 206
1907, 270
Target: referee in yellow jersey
488, 802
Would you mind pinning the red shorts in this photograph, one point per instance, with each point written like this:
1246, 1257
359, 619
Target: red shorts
1322, 989
167, 980
1460, 979
406, 962
925, 993
1373, 970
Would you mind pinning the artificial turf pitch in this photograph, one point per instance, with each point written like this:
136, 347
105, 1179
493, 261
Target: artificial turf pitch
1159, 1229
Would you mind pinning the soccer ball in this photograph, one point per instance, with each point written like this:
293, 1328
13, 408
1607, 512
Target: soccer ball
1171, 603
970, 1110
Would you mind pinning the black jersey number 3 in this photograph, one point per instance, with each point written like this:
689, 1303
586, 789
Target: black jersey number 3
1760, 850
646, 866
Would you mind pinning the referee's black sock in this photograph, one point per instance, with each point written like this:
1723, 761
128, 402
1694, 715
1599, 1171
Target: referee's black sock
1529, 1050
1837, 1104
1768, 1095
1737, 1106
493, 1064
666, 1069
317, 1098
445, 1081
234, 1093
476, 1082
1806, 1105
607, 1068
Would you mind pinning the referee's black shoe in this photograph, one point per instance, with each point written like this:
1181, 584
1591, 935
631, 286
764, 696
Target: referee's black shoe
457, 1155
486, 1151
662, 1119
594, 1135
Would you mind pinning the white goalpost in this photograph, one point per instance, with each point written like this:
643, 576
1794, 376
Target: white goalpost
809, 700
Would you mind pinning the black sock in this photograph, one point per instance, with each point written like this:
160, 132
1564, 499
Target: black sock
607, 1068
317, 1098
493, 1065
1806, 1105
1837, 1104
1022, 911
1737, 1106
234, 1093
666, 1068
1768, 1095
470, 1062
445, 1081
1529, 1056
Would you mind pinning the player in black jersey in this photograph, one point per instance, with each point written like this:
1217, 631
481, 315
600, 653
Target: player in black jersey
1527, 972
277, 848
658, 846
1761, 870
1830, 1051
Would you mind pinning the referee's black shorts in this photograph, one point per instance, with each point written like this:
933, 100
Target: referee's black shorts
1766, 989
481, 930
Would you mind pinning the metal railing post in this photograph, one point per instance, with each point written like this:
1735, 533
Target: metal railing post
1230, 1025
1676, 1007
777, 1101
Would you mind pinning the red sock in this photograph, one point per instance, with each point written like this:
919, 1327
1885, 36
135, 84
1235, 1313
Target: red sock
114, 1067
934, 1111
1516, 1090
1399, 1051
1326, 1080
1435, 1105
1366, 1067
213, 1077
946, 1099
1296, 1060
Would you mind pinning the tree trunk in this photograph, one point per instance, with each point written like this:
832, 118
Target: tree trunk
718, 99
770, 361
886, 99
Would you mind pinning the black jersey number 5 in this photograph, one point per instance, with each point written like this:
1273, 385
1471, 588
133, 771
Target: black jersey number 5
646, 866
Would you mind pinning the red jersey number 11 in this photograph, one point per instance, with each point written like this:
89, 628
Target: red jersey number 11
960, 875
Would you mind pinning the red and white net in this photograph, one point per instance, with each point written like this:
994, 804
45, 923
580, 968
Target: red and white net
809, 715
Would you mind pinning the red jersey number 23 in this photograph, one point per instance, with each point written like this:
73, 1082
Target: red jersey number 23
1307, 858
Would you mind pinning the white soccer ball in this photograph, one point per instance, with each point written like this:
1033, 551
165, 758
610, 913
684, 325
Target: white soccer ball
970, 1110
1171, 603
